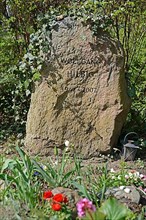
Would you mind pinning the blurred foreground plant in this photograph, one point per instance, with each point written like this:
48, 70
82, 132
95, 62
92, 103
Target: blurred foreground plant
110, 209
19, 178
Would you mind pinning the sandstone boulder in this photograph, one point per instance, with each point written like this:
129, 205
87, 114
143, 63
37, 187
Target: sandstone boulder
82, 94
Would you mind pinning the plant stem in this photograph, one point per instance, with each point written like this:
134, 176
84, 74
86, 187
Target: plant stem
90, 214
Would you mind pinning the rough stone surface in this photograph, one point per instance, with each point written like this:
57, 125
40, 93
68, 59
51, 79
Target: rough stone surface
133, 196
82, 94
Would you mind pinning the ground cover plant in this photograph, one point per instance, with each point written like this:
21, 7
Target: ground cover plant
28, 189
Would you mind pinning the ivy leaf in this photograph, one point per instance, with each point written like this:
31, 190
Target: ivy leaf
28, 92
26, 83
36, 76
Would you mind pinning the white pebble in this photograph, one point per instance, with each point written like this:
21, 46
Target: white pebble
127, 190
122, 187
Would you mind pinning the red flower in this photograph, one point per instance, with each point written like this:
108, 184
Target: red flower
58, 198
56, 207
47, 195
65, 200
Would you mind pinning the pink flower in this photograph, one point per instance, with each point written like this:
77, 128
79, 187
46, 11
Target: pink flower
144, 177
143, 189
85, 205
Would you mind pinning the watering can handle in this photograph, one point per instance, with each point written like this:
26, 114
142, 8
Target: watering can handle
125, 138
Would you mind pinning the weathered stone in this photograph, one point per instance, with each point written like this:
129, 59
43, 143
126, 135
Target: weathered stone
133, 196
82, 95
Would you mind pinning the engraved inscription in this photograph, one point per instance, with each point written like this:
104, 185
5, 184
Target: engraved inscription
82, 89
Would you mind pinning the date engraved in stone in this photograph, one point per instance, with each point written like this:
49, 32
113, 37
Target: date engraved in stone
82, 89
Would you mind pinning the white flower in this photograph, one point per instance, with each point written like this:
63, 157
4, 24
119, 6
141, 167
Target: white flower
141, 176
56, 162
67, 149
126, 176
136, 174
66, 143
127, 190
130, 174
122, 187
112, 170
44, 167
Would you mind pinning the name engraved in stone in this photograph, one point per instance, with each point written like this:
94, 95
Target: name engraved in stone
72, 60
72, 55
76, 73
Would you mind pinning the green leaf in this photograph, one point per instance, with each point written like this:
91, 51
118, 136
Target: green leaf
82, 189
36, 76
95, 215
45, 175
26, 83
7, 163
114, 210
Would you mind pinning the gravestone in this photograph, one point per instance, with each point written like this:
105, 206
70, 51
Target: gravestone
82, 93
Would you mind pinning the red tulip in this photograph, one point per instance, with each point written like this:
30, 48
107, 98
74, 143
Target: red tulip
65, 200
58, 198
47, 195
56, 207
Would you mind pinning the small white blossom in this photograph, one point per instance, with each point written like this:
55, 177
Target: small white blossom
67, 149
127, 190
44, 167
141, 176
56, 162
66, 143
112, 170
113, 177
126, 176
136, 174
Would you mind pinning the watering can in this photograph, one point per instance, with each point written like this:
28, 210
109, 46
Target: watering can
130, 149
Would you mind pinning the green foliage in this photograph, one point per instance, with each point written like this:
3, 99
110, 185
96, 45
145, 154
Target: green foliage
113, 210
20, 181
56, 174
110, 209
